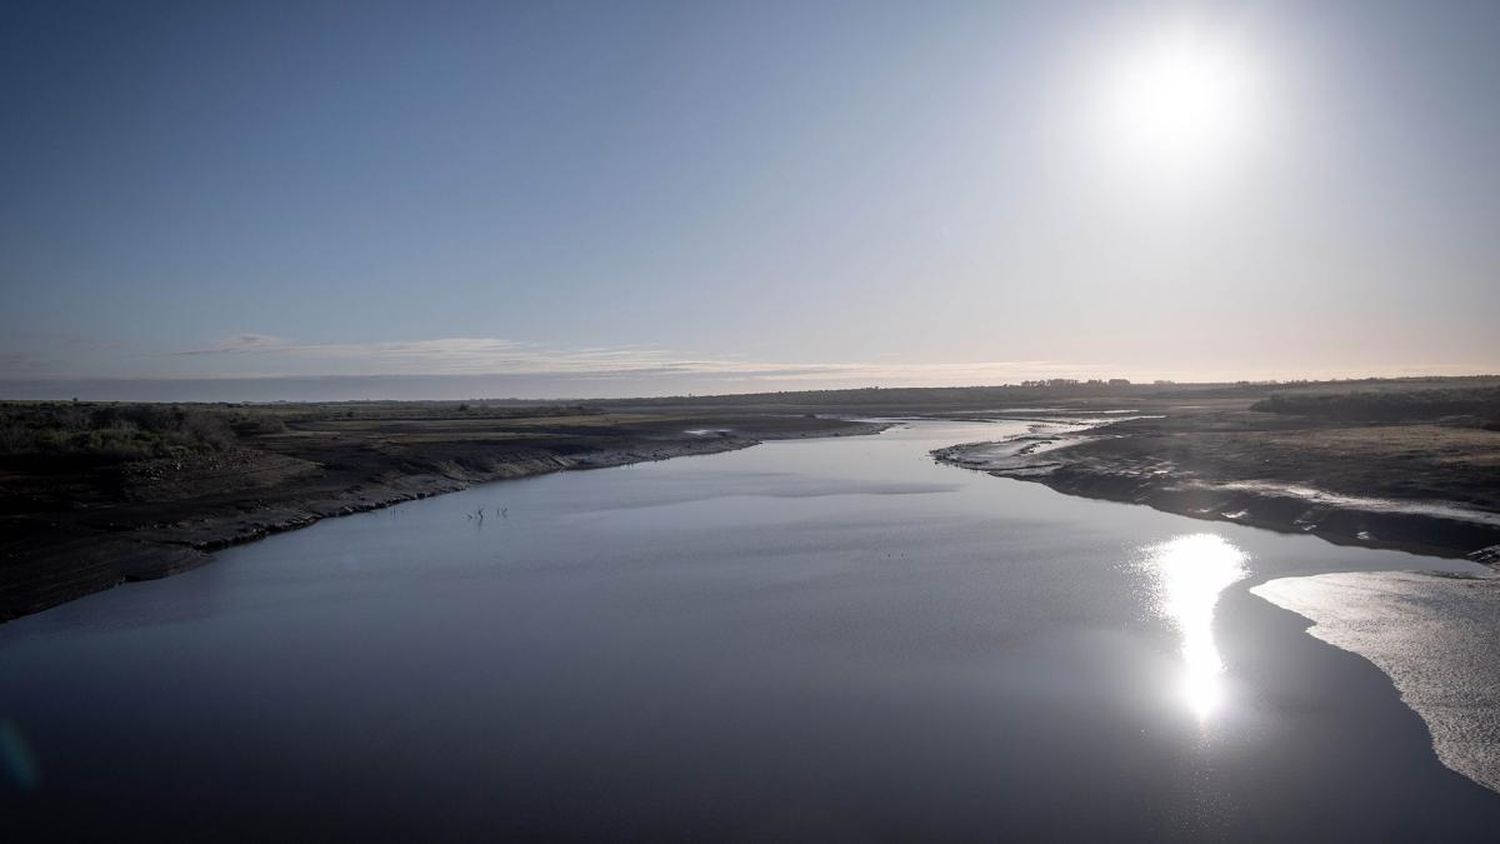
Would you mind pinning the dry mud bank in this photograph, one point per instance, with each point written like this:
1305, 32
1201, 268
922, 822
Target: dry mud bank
1424, 488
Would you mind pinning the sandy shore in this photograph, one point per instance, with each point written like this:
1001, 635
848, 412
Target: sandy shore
1434, 636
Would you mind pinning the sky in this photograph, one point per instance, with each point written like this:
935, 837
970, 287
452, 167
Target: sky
456, 199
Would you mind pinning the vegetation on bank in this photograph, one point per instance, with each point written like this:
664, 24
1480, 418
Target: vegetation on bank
116, 432
111, 432
1479, 404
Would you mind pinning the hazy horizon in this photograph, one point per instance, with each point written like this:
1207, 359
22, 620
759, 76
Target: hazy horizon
594, 200
527, 388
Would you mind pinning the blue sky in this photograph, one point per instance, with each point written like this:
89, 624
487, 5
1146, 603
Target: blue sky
604, 199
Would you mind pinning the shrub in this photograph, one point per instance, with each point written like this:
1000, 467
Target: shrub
111, 432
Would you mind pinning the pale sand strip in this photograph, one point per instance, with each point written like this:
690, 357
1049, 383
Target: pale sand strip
1437, 637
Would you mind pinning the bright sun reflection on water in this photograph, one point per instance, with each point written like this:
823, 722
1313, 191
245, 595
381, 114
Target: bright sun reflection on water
1191, 571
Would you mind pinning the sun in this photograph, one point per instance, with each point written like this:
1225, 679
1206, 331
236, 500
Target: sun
1181, 97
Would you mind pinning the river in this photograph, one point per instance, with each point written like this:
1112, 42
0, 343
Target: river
830, 638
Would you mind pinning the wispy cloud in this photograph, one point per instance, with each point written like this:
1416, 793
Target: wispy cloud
265, 367
247, 342
279, 356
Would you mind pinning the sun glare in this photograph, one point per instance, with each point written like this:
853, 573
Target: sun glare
1182, 99
1191, 571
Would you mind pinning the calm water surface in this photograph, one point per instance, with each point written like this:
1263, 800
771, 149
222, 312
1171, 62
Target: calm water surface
813, 639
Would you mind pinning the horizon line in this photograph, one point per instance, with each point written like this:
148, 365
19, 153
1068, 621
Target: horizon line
50, 388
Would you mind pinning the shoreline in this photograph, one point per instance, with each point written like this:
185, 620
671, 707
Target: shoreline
96, 494
53, 572
1431, 527
1446, 675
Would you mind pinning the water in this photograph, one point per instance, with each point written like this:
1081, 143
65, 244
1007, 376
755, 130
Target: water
811, 639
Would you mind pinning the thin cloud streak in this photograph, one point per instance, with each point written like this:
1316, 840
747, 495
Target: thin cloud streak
251, 366
279, 357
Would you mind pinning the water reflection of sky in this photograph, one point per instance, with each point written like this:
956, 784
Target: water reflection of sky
798, 639
1191, 571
